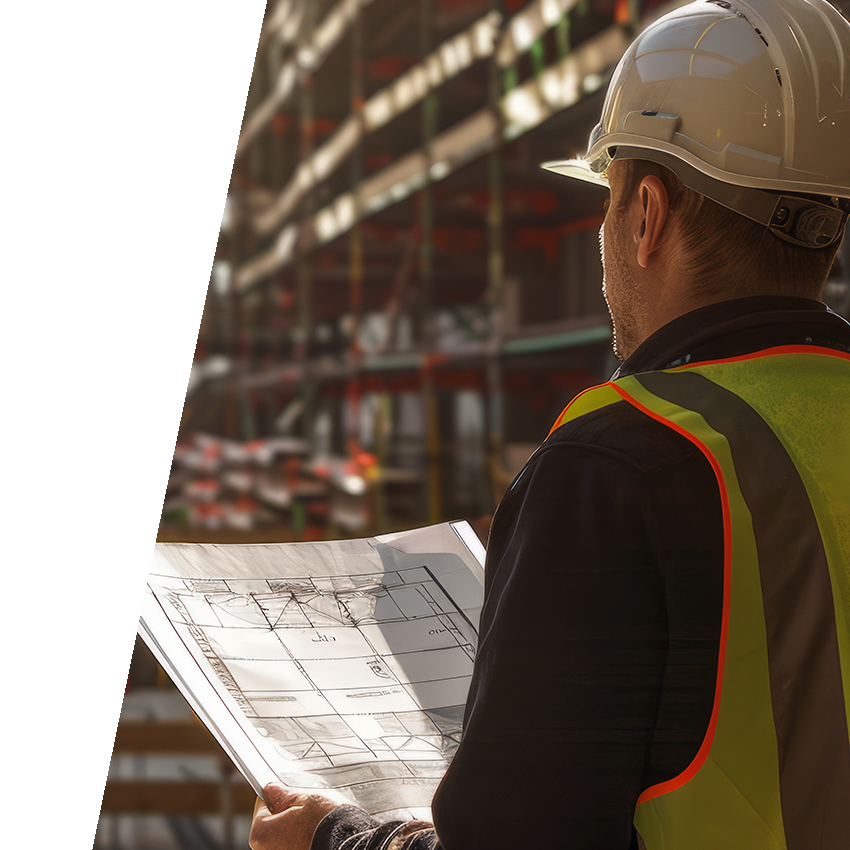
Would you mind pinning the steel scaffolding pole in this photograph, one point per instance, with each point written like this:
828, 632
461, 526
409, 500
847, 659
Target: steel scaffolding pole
426, 278
304, 272
495, 282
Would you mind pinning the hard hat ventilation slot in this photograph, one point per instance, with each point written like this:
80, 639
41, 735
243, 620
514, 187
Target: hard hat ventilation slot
761, 36
778, 77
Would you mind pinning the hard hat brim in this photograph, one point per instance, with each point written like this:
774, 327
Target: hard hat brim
579, 169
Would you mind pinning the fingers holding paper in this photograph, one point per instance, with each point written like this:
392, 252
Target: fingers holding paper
285, 820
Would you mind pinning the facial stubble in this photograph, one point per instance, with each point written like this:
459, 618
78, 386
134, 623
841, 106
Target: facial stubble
619, 287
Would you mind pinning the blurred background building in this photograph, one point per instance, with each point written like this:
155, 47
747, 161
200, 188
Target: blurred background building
400, 304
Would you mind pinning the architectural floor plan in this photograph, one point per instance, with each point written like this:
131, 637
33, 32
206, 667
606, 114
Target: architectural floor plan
331, 666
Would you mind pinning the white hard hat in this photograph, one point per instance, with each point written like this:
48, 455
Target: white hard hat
734, 97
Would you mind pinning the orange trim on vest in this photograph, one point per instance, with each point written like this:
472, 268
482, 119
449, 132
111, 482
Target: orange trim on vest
767, 352
702, 753
780, 349
563, 413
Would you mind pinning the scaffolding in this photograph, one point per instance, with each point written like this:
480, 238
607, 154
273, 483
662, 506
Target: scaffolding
404, 276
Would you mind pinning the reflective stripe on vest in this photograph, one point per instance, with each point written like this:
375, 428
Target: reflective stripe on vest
774, 768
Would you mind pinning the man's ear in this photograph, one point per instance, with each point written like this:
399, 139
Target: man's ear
656, 207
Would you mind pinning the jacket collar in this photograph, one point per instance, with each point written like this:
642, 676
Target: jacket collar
736, 327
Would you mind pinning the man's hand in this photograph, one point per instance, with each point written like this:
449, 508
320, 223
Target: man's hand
284, 820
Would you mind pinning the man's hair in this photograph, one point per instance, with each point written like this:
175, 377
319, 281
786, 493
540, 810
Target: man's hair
728, 254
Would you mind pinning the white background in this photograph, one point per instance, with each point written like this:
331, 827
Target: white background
120, 122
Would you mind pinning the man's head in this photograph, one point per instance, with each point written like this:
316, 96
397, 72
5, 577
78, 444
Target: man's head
739, 111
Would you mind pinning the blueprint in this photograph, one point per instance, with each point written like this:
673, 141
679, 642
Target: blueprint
337, 667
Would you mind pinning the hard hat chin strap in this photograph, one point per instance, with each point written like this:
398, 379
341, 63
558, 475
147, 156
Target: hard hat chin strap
797, 219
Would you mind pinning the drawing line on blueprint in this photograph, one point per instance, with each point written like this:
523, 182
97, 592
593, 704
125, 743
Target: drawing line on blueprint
324, 605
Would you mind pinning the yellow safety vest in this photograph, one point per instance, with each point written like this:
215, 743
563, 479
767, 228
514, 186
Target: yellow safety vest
773, 771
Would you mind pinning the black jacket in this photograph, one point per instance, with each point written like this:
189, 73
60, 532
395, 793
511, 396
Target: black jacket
598, 645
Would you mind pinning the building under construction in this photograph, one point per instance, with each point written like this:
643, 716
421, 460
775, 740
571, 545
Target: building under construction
397, 281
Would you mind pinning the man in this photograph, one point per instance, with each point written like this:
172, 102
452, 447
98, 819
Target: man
664, 655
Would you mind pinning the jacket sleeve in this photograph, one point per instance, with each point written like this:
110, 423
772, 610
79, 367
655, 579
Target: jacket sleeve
560, 732
350, 828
